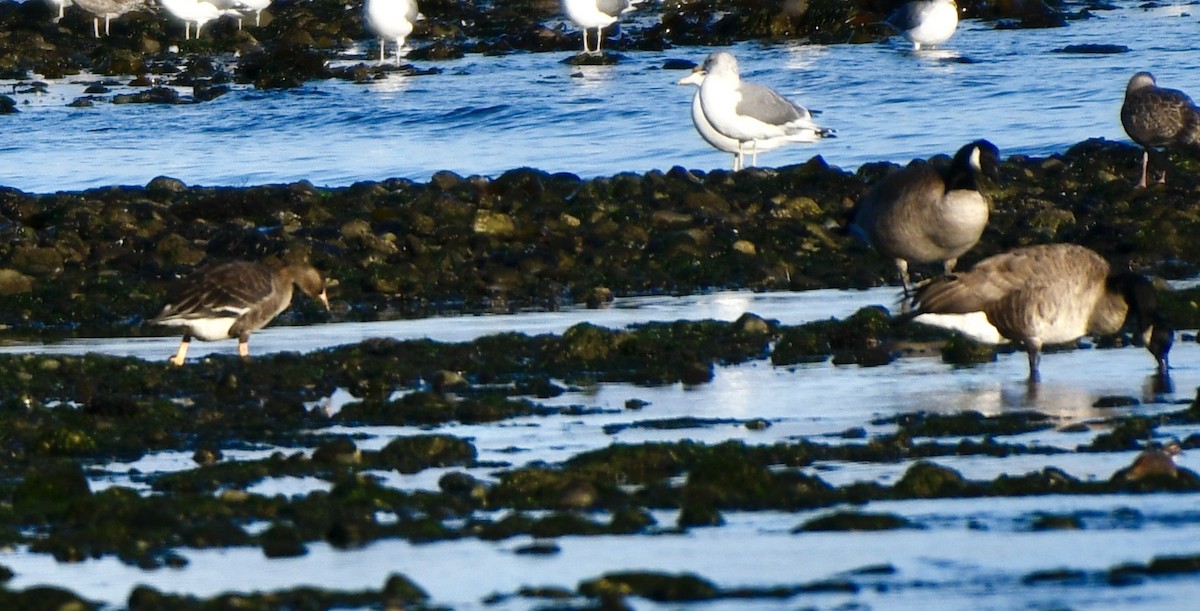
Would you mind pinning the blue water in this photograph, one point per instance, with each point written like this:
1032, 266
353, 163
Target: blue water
485, 115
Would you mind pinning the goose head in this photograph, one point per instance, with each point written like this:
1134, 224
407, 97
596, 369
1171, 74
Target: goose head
1151, 329
978, 157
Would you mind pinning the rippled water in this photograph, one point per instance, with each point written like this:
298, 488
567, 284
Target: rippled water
484, 115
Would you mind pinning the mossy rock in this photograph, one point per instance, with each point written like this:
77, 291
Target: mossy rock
855, 521
658, 587
927, 480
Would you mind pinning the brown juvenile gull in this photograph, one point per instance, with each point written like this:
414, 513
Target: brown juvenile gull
1156, 118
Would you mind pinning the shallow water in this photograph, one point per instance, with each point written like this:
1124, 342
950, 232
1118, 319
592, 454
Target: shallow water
485, 115
971, 553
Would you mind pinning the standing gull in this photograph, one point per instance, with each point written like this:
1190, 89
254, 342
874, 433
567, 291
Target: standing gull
720, 141
234, 300
751, 114
924, 214
1156, 117
599, 14
108, 9
926, 22
199, 12
1046, 294
61, 5
391, 19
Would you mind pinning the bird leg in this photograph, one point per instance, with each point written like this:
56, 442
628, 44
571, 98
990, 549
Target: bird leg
948, 266
96, 26
107, 18
1034, 350
1145, 166
754, 153
902, 267
244, 347
382, 49
180, 354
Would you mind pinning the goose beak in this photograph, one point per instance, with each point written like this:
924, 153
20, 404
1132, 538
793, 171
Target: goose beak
1159, 340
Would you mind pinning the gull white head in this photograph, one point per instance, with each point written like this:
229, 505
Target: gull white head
722, 65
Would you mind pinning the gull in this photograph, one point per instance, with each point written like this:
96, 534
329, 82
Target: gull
923, 214
926, 22
1156, 117
1045, 294
199, 12
749, 113
108, 9
599, 14
391, 19
716, 139
61, 5
235, 299
238, 5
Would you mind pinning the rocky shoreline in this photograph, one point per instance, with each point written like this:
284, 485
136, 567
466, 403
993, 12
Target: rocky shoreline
98, 262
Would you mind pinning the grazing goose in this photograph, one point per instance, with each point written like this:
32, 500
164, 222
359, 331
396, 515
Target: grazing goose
234, 300
391, 19
1158, 118
108, 9
750, 113
926, 22
923, 214
1047, 294
720, 141
598, 14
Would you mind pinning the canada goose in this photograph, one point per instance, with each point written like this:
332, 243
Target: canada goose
923, 214
234, 300
716, 139
1047, 294
598, 14
391, 19
750, 113
926, 22
1155, 117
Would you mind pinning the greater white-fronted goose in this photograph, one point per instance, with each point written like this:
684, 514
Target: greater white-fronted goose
1047, 294
1156, 117
235, 299
598, 14
926, 214
926, 22
391, 20
750, 113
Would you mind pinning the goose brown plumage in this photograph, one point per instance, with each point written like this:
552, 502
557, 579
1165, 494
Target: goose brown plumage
235, 299
1047, 294
925, 214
